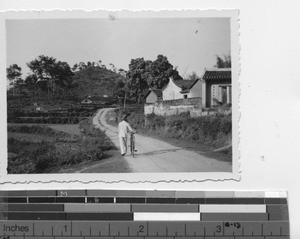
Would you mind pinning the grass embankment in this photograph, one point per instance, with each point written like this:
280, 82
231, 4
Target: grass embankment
41, 149
204, 133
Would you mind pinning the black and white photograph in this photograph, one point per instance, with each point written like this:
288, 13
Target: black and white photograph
120, 94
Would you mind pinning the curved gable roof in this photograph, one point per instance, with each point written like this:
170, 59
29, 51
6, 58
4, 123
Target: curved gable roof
182, 84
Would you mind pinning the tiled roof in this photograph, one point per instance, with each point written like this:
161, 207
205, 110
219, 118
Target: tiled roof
157, 92
217, 74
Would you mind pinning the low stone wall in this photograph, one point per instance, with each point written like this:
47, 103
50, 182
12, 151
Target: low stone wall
199, 112
172, 107
175, 107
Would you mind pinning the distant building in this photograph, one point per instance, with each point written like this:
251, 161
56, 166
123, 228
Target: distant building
193, 90
216, 88
86, 101
153, 95
182, 89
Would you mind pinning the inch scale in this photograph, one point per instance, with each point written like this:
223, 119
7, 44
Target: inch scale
112, 214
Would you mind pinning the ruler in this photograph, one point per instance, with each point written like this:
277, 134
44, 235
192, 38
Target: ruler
114, 214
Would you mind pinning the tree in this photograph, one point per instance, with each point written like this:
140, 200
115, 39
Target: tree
160, 72
224, 62
74, 68
52, 71
193, 76
137, 75
13, 73
145, 74
62, 74
30, 80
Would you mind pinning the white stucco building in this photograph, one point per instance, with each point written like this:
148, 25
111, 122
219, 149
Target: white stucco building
181, 89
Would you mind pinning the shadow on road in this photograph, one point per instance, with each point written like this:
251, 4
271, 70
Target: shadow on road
159, 152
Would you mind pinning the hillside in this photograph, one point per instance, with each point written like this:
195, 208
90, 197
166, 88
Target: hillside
91, 82
96, 82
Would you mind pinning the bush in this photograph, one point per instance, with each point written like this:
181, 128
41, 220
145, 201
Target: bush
40, 157
36, 129
96, 136
212, 130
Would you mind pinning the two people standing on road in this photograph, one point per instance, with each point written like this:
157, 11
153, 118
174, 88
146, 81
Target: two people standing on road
124, 128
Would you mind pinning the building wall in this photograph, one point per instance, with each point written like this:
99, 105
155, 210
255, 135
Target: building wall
172, 107
151, 98
196, 91
172, 91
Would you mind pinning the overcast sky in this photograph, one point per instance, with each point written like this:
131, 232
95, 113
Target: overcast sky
191, 44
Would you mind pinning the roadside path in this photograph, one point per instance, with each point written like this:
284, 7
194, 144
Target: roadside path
158, 156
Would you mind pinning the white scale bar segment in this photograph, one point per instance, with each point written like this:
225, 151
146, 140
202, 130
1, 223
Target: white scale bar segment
276, 194
166, 216
229, 208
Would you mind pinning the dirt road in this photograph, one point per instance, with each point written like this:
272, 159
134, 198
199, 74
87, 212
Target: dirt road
158, 156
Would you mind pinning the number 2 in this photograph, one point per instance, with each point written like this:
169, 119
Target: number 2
141, 228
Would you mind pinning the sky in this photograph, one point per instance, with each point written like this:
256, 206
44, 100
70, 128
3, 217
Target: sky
190, 44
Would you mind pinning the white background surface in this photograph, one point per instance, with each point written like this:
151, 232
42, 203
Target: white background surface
270, 93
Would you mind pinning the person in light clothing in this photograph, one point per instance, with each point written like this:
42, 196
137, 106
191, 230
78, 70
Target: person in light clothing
124, 128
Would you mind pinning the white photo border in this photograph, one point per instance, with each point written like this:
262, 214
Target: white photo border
126, 177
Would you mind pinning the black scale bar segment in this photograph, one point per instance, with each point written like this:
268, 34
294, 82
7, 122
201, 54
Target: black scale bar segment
56, 216
41, 199
160, 200
275, 201
130, 200
278, 212
190, 200
249, 201
34, 216
100, 200
13, 200
219, 201
70, 199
